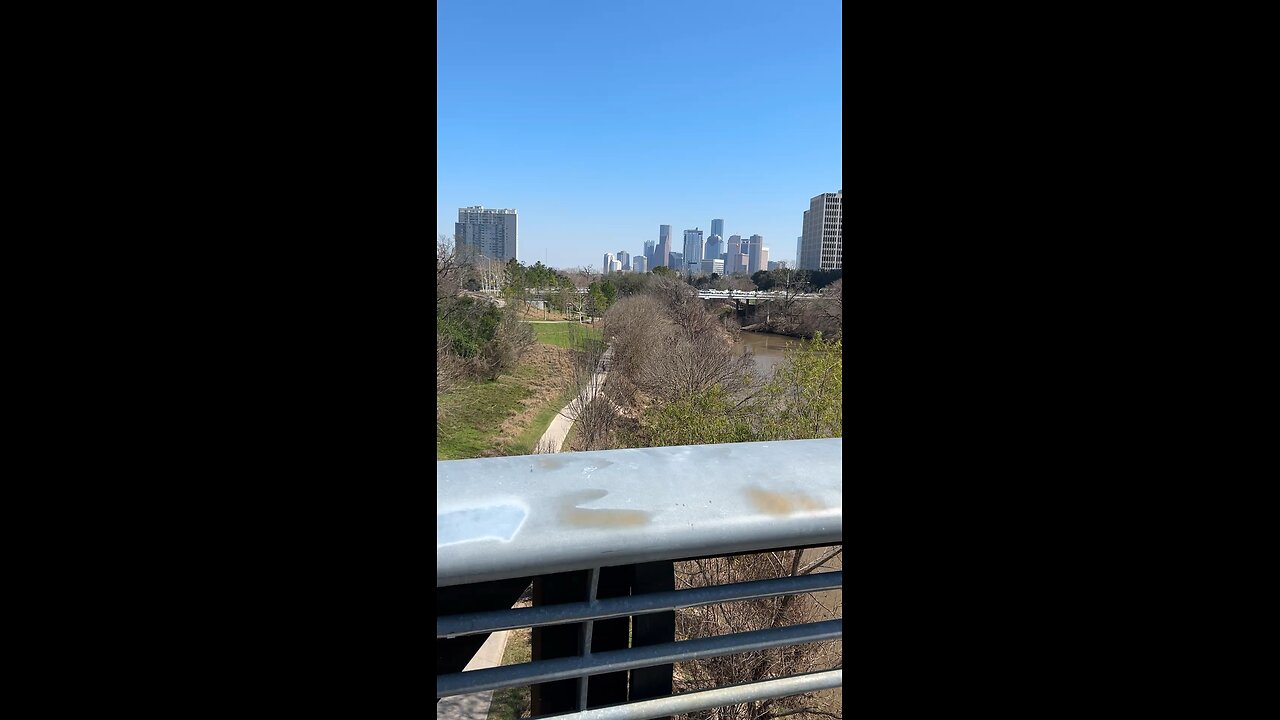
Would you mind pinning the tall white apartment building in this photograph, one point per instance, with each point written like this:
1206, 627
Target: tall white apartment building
489, 232
608, 263
822, 245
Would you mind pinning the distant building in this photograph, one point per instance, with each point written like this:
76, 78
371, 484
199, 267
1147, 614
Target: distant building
733, 254
624, 257
662, 254
677, 262
714, 248
608, 263
713, 266
639, 264
755, 246
799, 240
649, 246
777, 264
717, 227
692, 250
764, 258
822, 245
491, 233
615, 266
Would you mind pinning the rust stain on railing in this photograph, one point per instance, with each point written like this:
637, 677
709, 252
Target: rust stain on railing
779, 504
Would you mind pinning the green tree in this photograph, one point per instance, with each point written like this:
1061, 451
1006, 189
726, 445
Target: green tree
804, 399
597, 303
708, 417
663, 270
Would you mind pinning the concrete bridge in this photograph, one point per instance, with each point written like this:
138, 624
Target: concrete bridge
753, 295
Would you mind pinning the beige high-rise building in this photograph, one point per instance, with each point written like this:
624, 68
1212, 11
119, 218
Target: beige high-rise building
822, 244
733, 256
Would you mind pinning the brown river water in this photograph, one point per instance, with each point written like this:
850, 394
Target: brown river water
767, 348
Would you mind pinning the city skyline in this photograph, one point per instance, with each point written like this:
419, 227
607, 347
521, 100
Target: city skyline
590, 153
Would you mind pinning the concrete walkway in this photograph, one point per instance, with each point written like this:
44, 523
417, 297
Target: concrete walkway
553, 438
476, 705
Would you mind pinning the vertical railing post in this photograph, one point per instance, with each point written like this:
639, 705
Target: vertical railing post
653, 629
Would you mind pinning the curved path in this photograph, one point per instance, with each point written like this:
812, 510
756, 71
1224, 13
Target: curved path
475, 706
553, 438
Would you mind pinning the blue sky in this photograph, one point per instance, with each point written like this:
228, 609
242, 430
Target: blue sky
599, 121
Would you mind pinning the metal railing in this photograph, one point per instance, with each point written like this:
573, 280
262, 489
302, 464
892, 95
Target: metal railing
500, 519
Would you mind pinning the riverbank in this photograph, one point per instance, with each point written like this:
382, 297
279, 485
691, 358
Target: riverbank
508, 415
767, 329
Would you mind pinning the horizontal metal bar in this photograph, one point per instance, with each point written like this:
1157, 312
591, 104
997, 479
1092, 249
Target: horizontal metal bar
719, 697
542, 671
507, 517
450, 626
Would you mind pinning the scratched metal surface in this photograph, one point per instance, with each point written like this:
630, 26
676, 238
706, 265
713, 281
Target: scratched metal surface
535, 514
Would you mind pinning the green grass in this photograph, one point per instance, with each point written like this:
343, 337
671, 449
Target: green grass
511, 703
476, 412
560, 334
527, 441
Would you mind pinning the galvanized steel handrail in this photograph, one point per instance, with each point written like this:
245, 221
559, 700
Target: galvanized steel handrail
510, 517
483, 622
540, 671
703, 699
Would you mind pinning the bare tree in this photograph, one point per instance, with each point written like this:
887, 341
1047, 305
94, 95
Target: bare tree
592, 414
449, 268
667, 345
831, 309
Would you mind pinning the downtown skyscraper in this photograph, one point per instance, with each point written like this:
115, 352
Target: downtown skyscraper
662, 253
717, 227
733, 256
714, 248
692, 251
755, 252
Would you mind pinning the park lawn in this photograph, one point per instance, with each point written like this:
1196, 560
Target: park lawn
558, 334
